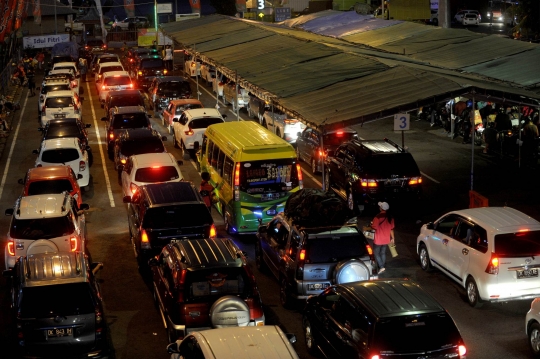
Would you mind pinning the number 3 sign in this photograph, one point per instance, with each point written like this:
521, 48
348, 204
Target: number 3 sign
401, 122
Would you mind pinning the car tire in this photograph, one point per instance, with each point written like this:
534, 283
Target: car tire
259, 260
471, 290
311, 345
284, 298
314, 168
351, 203
534, 339
425, 261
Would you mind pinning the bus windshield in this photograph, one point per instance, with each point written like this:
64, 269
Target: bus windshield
268, 176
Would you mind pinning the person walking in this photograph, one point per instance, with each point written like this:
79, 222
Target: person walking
168, 58
530, 138
83, 68
383, 224
206, 190
31, 82
40, 57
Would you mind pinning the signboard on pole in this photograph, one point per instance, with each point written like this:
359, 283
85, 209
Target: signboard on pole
164, 8
401, 122
282, 13
36, 42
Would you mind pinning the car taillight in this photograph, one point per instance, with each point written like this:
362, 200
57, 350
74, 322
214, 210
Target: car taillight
301, 262
11, 248
322, 154
376, 356
300, 176
415, 180
111, 136
99, 76
368, 183
189, 132
193, 64
131, 85
139, 73
43, 109
181, 282
133, 188
237, 182
369, 250
493, 265
165, 72
145, 241
73, 243
103, 87
104, 47
123, 161
213, 232
82, 166
462, 351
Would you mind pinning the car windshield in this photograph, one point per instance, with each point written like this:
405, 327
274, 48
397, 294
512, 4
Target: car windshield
267, 176
48, 88
156, 174
130, 120
59, 102
57, 59
204, 122
62, 131
216, 282
384, 166
41, 228
186, 215
174, 86
180, 109
71, 68
147, 145
337, 138
470, 16
60, 155
417, 333
110, 68
117, 81
49, 186
103, 60
519, 244
57, 300
126, 100
330, 249
150, 63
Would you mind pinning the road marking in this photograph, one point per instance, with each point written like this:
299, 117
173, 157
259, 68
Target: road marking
431, 178
107, 180
6, 170
313, 178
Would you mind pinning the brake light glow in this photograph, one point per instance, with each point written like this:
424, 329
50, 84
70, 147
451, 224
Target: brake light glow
375, 357
73, 243
82, 166
193, 64
189, 132
322, 154
302, 255
462, 350
156, 167
339, 133
11, 248
213, 232
415, 180
368, 183
139, 73
133, 188
165, 72
103, 87
237, 175
144, 237
131, 85
123, 161
369, 250
300, 176
524, 230
493, 265
111, 136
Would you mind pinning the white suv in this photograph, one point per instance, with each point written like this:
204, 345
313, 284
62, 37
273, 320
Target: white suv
283, 126
190, 126
532, 327
66, 151
65, 66
492, 252
149, 168
113, 80
45, 223
61, 104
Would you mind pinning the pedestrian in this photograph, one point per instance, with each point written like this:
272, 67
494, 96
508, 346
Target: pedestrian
530, 138
383, 224
154, 45
83, 68
168, 58
207, 190
31, 82
490, 137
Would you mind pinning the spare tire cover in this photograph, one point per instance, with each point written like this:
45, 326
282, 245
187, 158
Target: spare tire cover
352, 270
229, 311
42, 246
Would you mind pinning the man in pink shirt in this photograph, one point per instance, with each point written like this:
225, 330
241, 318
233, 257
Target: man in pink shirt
383, 224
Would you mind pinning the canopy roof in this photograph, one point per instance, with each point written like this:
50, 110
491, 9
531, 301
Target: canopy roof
357, 67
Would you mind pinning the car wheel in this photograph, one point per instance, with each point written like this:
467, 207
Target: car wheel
310, 340
350, 200
284, 298
259, 261
314, 168
425, 261
534, 339
473, 297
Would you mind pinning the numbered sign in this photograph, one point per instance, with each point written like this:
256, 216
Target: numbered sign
260, 4
401, 122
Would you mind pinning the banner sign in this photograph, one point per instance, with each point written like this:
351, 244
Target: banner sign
4, 21
129, 6
42, 41
37, 11
195, 5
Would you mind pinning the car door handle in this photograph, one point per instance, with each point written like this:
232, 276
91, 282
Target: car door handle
464, 251
445, 242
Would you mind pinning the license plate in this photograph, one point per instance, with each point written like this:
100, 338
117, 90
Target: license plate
269, 196
59, 332
527, 273
393, 182
318, 286
175, 240
59, 115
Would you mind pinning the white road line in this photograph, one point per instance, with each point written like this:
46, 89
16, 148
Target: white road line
103, 161
6, 170
431, 178
312, 178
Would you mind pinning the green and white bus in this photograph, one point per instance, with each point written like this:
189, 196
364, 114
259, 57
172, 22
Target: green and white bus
253, 170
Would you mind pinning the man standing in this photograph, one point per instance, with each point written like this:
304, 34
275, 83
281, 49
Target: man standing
383, 224
83, 68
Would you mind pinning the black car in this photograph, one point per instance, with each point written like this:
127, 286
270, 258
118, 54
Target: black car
163, 89
58, 307
368, 171
95, 45
123, 98
122, 118
392, 318
146, 68
313, 148
131, 56
164, 213
136, 141
67, 127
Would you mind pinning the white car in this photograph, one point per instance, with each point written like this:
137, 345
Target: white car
491, 251
266, 341
58, 84
240, 99
208, 73
113, 81
76, 25
45, 223
149, 168
532, 327
190, 126
60, 104
284, 127
66, 151
140, 21
191, 67
470, 19
460, 14
68, 66
106, 67
100, 58
68, 74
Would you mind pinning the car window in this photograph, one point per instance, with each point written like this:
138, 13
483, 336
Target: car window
117, 80
385, 165
177, 216
331, 250
217, 282
149, 63
58, 87
174, 86
478, 239
59, 102
279, 234
57, 131
204, 122
49, 186
156, 174
126, 100
60, 155
57, 300
448, 225
519, 244
129, 120
148, 145
41, 228
110, 68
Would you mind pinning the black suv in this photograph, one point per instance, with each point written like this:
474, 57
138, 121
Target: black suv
131, 56
58, 306
204, 283
163, 213
368, 171
122, 98
122, 118
307, 258
392, 318
313, 148
146, 68
166, 88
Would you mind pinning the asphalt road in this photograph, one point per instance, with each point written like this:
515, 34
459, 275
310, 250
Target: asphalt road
494, 331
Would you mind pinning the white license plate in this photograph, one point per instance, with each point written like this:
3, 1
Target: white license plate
318, 286
59, 115
269, 196
59, 332
527, 273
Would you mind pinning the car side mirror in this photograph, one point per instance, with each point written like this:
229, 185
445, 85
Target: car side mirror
126, 199
291, 337
430, 225
79, 176
88, 125
96, 267
104, 119
174, 119
20, 181
35, 152
84, 207
9, 212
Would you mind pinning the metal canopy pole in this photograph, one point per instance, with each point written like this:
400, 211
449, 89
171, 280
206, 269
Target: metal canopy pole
236, 89
472, 141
